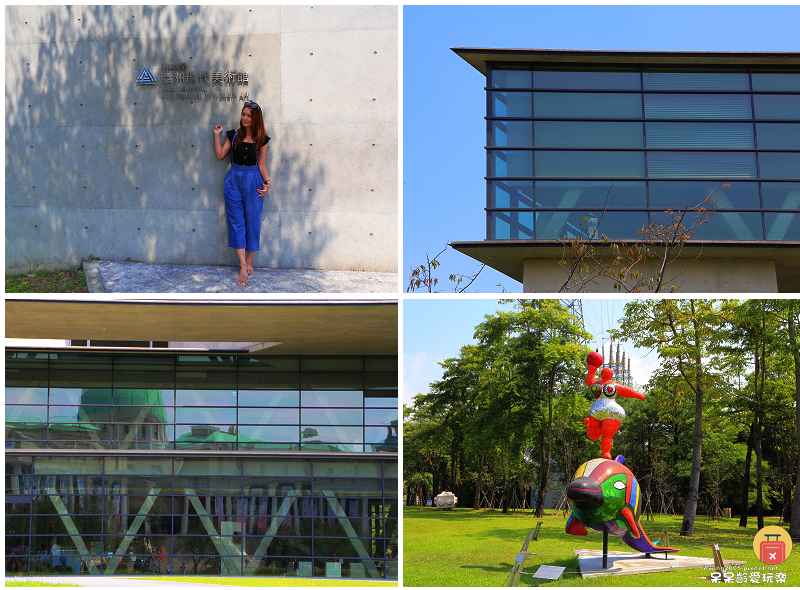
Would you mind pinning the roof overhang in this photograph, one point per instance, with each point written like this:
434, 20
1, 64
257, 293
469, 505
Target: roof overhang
351, 327
479, 57
507, 256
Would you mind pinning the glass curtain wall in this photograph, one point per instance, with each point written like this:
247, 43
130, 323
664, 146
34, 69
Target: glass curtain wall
218, 464
570, 150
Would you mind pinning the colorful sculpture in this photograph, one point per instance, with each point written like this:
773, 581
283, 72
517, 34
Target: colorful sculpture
605, 415
604, 496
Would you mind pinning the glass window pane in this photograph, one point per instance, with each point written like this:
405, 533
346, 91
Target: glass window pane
699, 135
68, 465
205, 398
511, 78
332, 399
269, 364
783, 226
380, 364
576, 164
578, 134
590, 194
26, 375
271, 399
380, 402
512, 133
616, 225
587, 80
381, 438
332, 417
773, 82
336, 469
269, 416
778, 135
511, 225
144, 379
514, 194
588, 105
512, 104
678, 195
205, 379
376, 417
26, 414
779, 165
26, 395
268, 434
332, 364
316, 433
511, 163
61, 378
777, 106
380, 381
257, 380
290, 468
208, 416
731, 226
781, 195
701, 164
697, 106
331, 381
723, 82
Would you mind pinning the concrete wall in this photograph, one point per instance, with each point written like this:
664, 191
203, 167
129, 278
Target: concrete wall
542, 275
98, 165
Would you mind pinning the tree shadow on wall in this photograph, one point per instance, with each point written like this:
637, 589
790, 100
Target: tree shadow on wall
97, 164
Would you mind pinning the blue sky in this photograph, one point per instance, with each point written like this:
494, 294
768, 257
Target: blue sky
435, 329
444, 104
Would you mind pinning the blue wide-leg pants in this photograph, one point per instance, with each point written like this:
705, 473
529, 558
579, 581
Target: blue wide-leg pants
243, 207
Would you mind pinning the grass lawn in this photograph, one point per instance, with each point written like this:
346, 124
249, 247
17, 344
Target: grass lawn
464, 547
48, 281
274, 582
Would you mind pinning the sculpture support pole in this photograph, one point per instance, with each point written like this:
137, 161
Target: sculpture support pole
605, 548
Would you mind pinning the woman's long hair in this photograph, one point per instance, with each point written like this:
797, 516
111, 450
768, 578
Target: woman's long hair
260, 134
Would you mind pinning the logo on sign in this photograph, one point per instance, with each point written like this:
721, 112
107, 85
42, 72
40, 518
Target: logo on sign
146, 76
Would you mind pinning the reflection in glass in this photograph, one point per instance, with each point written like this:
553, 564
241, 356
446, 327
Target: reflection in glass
512, 104
512, 225
778, 136
575, 105
777, 106
588, 164
515, 194
332, 399
615, 225
697, 106
588, 134
680, 195
590, 194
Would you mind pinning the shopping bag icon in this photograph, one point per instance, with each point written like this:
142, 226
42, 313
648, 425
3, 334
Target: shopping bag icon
773, 552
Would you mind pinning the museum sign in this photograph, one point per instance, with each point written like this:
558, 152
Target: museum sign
178, 82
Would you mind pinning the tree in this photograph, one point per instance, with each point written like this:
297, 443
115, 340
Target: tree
684, 332
422, 279
590, 256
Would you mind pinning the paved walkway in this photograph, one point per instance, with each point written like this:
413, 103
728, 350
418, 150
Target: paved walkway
136, 277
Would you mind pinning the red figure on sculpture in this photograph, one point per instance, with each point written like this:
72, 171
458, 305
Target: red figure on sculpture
605, 415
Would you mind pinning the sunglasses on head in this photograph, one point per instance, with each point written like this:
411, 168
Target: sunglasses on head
252, 105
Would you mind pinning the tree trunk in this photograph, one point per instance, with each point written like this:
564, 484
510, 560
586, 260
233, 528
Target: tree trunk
745, 505
794, 525
687, 528
759, 481
479, 484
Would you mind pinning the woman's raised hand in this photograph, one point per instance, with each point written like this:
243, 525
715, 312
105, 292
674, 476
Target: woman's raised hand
217, 129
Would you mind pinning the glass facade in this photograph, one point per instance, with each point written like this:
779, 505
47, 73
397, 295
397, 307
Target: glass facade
218, 463
568, 147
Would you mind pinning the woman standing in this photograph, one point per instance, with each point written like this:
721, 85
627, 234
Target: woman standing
245, 184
